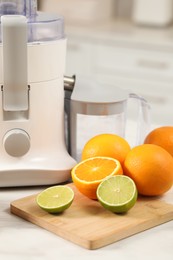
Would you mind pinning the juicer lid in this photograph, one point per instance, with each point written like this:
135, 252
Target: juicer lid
41, 26
91, 91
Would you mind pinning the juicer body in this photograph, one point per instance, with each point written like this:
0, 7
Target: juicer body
32, 146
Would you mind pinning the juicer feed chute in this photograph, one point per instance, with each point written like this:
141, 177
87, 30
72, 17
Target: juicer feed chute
32, 65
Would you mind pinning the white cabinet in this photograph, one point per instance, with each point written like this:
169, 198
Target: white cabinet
158, 94
144, 68
135, 62
146, 72
79, 55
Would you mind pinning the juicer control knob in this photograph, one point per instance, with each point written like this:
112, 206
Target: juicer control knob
16, 142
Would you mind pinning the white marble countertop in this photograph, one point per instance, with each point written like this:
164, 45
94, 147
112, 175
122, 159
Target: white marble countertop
22, 240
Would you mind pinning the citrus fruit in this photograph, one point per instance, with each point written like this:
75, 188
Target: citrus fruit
88, 174
109, 145
151, 168
55, 199
162, 136
117, 193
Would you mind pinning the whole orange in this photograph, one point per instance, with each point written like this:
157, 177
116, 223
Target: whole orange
162, 136
151, 168
109, 145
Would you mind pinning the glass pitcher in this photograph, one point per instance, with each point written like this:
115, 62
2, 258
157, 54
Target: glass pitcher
93, 108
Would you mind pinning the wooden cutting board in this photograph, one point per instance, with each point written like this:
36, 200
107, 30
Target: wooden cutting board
89, 225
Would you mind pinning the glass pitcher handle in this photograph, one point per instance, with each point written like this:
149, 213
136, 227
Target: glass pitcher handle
144, 119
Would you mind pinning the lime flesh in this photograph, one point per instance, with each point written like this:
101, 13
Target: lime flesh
55, 199
117, 193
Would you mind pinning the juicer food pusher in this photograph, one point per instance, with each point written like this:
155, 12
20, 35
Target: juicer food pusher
32, 64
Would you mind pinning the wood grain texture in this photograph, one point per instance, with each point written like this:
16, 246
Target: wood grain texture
89, 225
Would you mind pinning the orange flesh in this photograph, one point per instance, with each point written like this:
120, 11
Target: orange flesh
95, 170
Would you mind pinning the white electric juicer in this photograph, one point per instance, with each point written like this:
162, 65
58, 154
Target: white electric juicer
32, 63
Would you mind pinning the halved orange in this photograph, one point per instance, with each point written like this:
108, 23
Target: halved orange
89, 173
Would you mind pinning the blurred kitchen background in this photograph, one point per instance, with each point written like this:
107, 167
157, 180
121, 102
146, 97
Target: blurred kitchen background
126, 43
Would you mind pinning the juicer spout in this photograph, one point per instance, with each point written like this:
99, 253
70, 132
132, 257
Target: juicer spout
14, 43
69, 82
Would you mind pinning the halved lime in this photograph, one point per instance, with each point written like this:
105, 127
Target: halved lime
117, 193
55, 199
